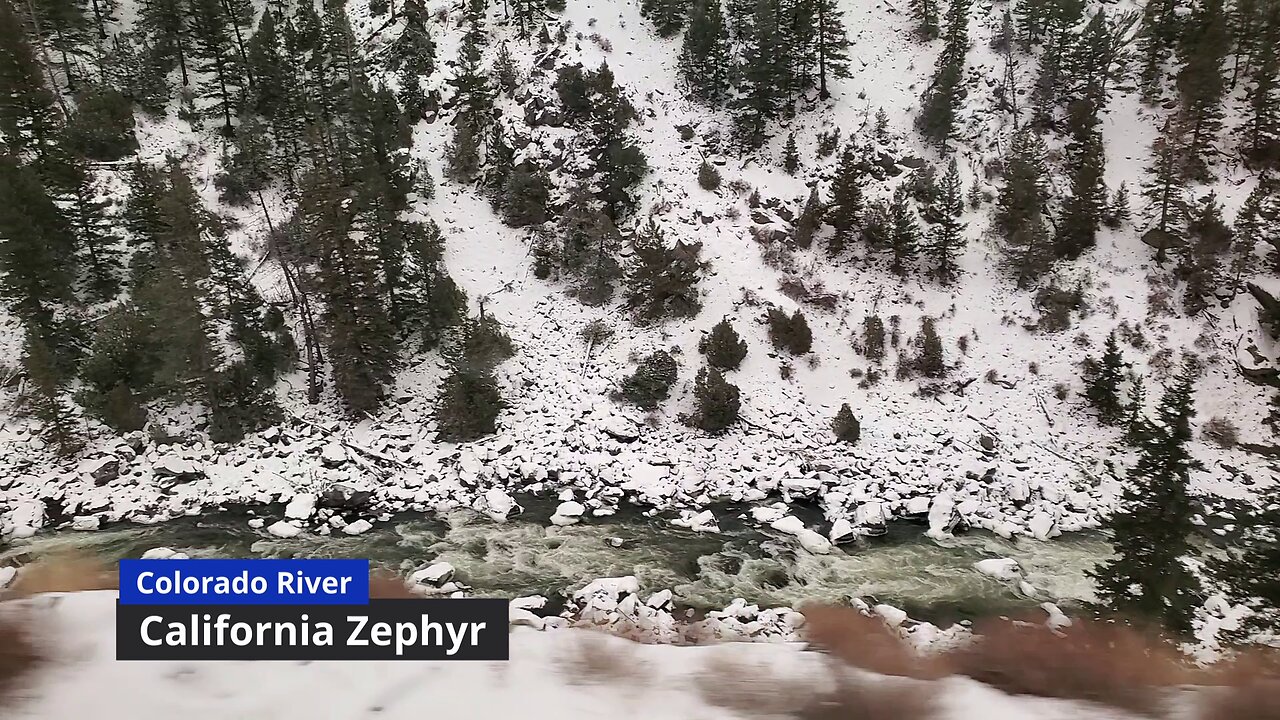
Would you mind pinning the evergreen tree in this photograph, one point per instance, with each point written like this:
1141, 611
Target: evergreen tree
213, 49
845, 426
529, 13
469, 402
708, 176
1251, 569
618, 162
929, 360
590, 247
28, 118
904, 230
651, 382
718, 402
1158, 34
704, 57
127, 67
1102, 379
762, 75
1135, 421
1200, 263
1021, 206
925, 15
845, 209
790, 156
1149, 576
662, 282
724, 349
1165, 192
472, 93
1260, 141
1057, 29
1083, 210
947, 239
1201, 84
790, 332
46, 399
101, 128
810, 220
667, 16
96, 237
525, 197
1117, 210
937, 112
38, 267
832, 43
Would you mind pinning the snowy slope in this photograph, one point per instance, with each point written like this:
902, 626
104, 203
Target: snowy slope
1046, 471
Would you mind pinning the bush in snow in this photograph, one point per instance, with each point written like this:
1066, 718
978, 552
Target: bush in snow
845, 426
723, 347
873, 338
1221, 432
789, 332
708, 176
524, 197
651, 383
718, 402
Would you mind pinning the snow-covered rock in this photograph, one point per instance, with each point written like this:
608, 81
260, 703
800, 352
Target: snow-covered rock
284, 529
7, 574
333, 455
359, 527
433, 574
85, 522
163, 553
176, 467
301, 507
892, 616
497, 504
568, 513
1004, 569
942, 515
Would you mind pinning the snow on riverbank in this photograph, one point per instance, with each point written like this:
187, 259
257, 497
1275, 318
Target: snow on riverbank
570, 674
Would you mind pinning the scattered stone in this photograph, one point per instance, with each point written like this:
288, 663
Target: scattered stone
301, 507
85, 522
435, 574
359, 527
333, 455
568, 513
177, 468
285, 529
1005, 569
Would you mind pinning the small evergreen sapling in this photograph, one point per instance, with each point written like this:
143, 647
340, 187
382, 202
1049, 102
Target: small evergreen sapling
651, 382
845, 426
724, 349
718, 402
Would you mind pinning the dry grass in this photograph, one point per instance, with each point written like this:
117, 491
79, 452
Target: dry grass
862, 700
1100, 662
19, 654
1251, 692
865, 642
594, 659
751, 690
64, 573
386, 586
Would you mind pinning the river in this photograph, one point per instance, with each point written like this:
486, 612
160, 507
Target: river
525, 556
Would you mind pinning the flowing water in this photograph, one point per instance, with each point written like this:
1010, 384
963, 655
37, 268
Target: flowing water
526, 556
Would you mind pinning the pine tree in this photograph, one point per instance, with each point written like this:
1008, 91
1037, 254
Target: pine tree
525, 197
904, 232
844, 212
704, 57
845, 426
1102, 380
101, 128
762, 75
1136, 426
1165, 192
1149, 576
718, 402
1117, 211
1201, 84
724, 349
1083, 210
46, 398
1200, 262
790, 332
528, 14
1260, 133
810, 220
790, 156
589, 248
925, 15
472, 93
1057, 25
708, 176
126, 66
1158, 34
29, 119
937, 113
96, 238
1251, 569
618, 161
1021, 206
38, 267
667, 16
832, 45
947, 238
651, 382
164, 25
662, 282
213, 49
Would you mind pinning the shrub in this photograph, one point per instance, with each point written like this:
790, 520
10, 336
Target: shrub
718, 402
873, 338
790, 332
708, 176
468, 405
929, 360
1221, 432
1097, 661
724, 349
651, 383
101, 128
19, 653
863, 642
845, 426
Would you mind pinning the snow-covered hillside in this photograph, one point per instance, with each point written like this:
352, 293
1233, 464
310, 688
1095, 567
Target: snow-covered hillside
1003, 443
